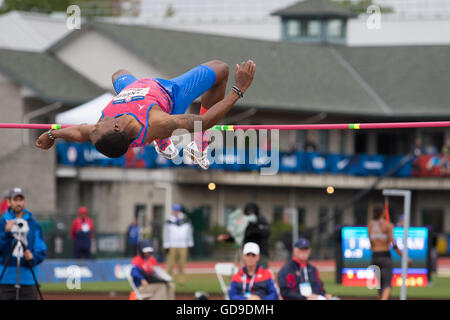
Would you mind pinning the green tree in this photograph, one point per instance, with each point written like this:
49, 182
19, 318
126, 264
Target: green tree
45, 6
90, 7
361, 6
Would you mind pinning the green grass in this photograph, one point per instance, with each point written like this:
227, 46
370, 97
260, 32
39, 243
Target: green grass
194, 282
439, 289
118, 286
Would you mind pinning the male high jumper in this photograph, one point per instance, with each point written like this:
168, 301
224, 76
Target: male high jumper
151, 109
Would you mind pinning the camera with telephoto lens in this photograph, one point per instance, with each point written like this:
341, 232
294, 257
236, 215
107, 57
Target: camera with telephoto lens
20, 229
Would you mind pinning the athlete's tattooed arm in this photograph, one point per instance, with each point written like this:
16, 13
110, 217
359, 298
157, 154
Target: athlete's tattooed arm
163, 125
79, 133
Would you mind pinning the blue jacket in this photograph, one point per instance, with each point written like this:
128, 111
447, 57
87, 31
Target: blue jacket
133, 234
262, 286
142, 268
292, 274
36, 245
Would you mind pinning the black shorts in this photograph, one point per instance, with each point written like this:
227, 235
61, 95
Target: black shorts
26, 292
383, 260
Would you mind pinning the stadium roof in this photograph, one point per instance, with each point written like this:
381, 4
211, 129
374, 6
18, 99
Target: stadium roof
410, 79
314, 8
30, 31
406, 81
49, 78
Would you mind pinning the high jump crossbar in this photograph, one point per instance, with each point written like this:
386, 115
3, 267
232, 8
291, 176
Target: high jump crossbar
340, 126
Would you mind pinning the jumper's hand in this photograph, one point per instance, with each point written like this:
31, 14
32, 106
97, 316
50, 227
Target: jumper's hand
244, 75
44, 141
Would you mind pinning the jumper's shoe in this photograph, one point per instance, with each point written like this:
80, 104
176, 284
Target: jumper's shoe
169, 152
199, 158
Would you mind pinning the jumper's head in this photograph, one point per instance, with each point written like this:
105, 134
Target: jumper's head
109, 137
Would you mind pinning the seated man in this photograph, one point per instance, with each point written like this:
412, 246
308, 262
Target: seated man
252, 282
298, 279
146, 278
149, 109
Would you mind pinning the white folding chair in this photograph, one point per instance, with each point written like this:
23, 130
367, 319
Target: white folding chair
277, 287
160, 272
225, 269
139, 296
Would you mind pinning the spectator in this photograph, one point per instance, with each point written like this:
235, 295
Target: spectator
177, 239
298, 279
400, 221
252, 281
147, 277
146, 230
418, 148
446, 148
431, 149
34, 253
434, 252
258, 231
4, 205
82, 232
310, 145
132, 238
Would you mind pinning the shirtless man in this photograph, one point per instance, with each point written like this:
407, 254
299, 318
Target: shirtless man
148, 110
381, 235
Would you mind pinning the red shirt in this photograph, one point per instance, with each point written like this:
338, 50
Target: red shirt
82, 224
4, 206
137, 99
144, 264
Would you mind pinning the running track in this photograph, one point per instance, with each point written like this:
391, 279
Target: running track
323, 266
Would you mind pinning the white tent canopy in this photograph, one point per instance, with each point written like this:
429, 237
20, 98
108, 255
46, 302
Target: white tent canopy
88, 112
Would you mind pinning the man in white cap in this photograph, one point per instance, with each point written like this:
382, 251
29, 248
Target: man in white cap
252, 281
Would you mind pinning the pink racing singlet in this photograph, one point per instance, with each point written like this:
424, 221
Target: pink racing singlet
137, 99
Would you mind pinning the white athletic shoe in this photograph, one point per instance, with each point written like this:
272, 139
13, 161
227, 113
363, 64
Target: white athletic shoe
199, 158
169, 153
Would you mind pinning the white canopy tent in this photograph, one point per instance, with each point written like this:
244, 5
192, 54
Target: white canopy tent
88, 112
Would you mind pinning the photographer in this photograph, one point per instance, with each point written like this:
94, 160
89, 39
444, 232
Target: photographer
17, 222
257, 230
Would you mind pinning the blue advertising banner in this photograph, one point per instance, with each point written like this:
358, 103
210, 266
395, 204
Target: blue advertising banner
357, 252
89, 270
85, 154
356, 256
